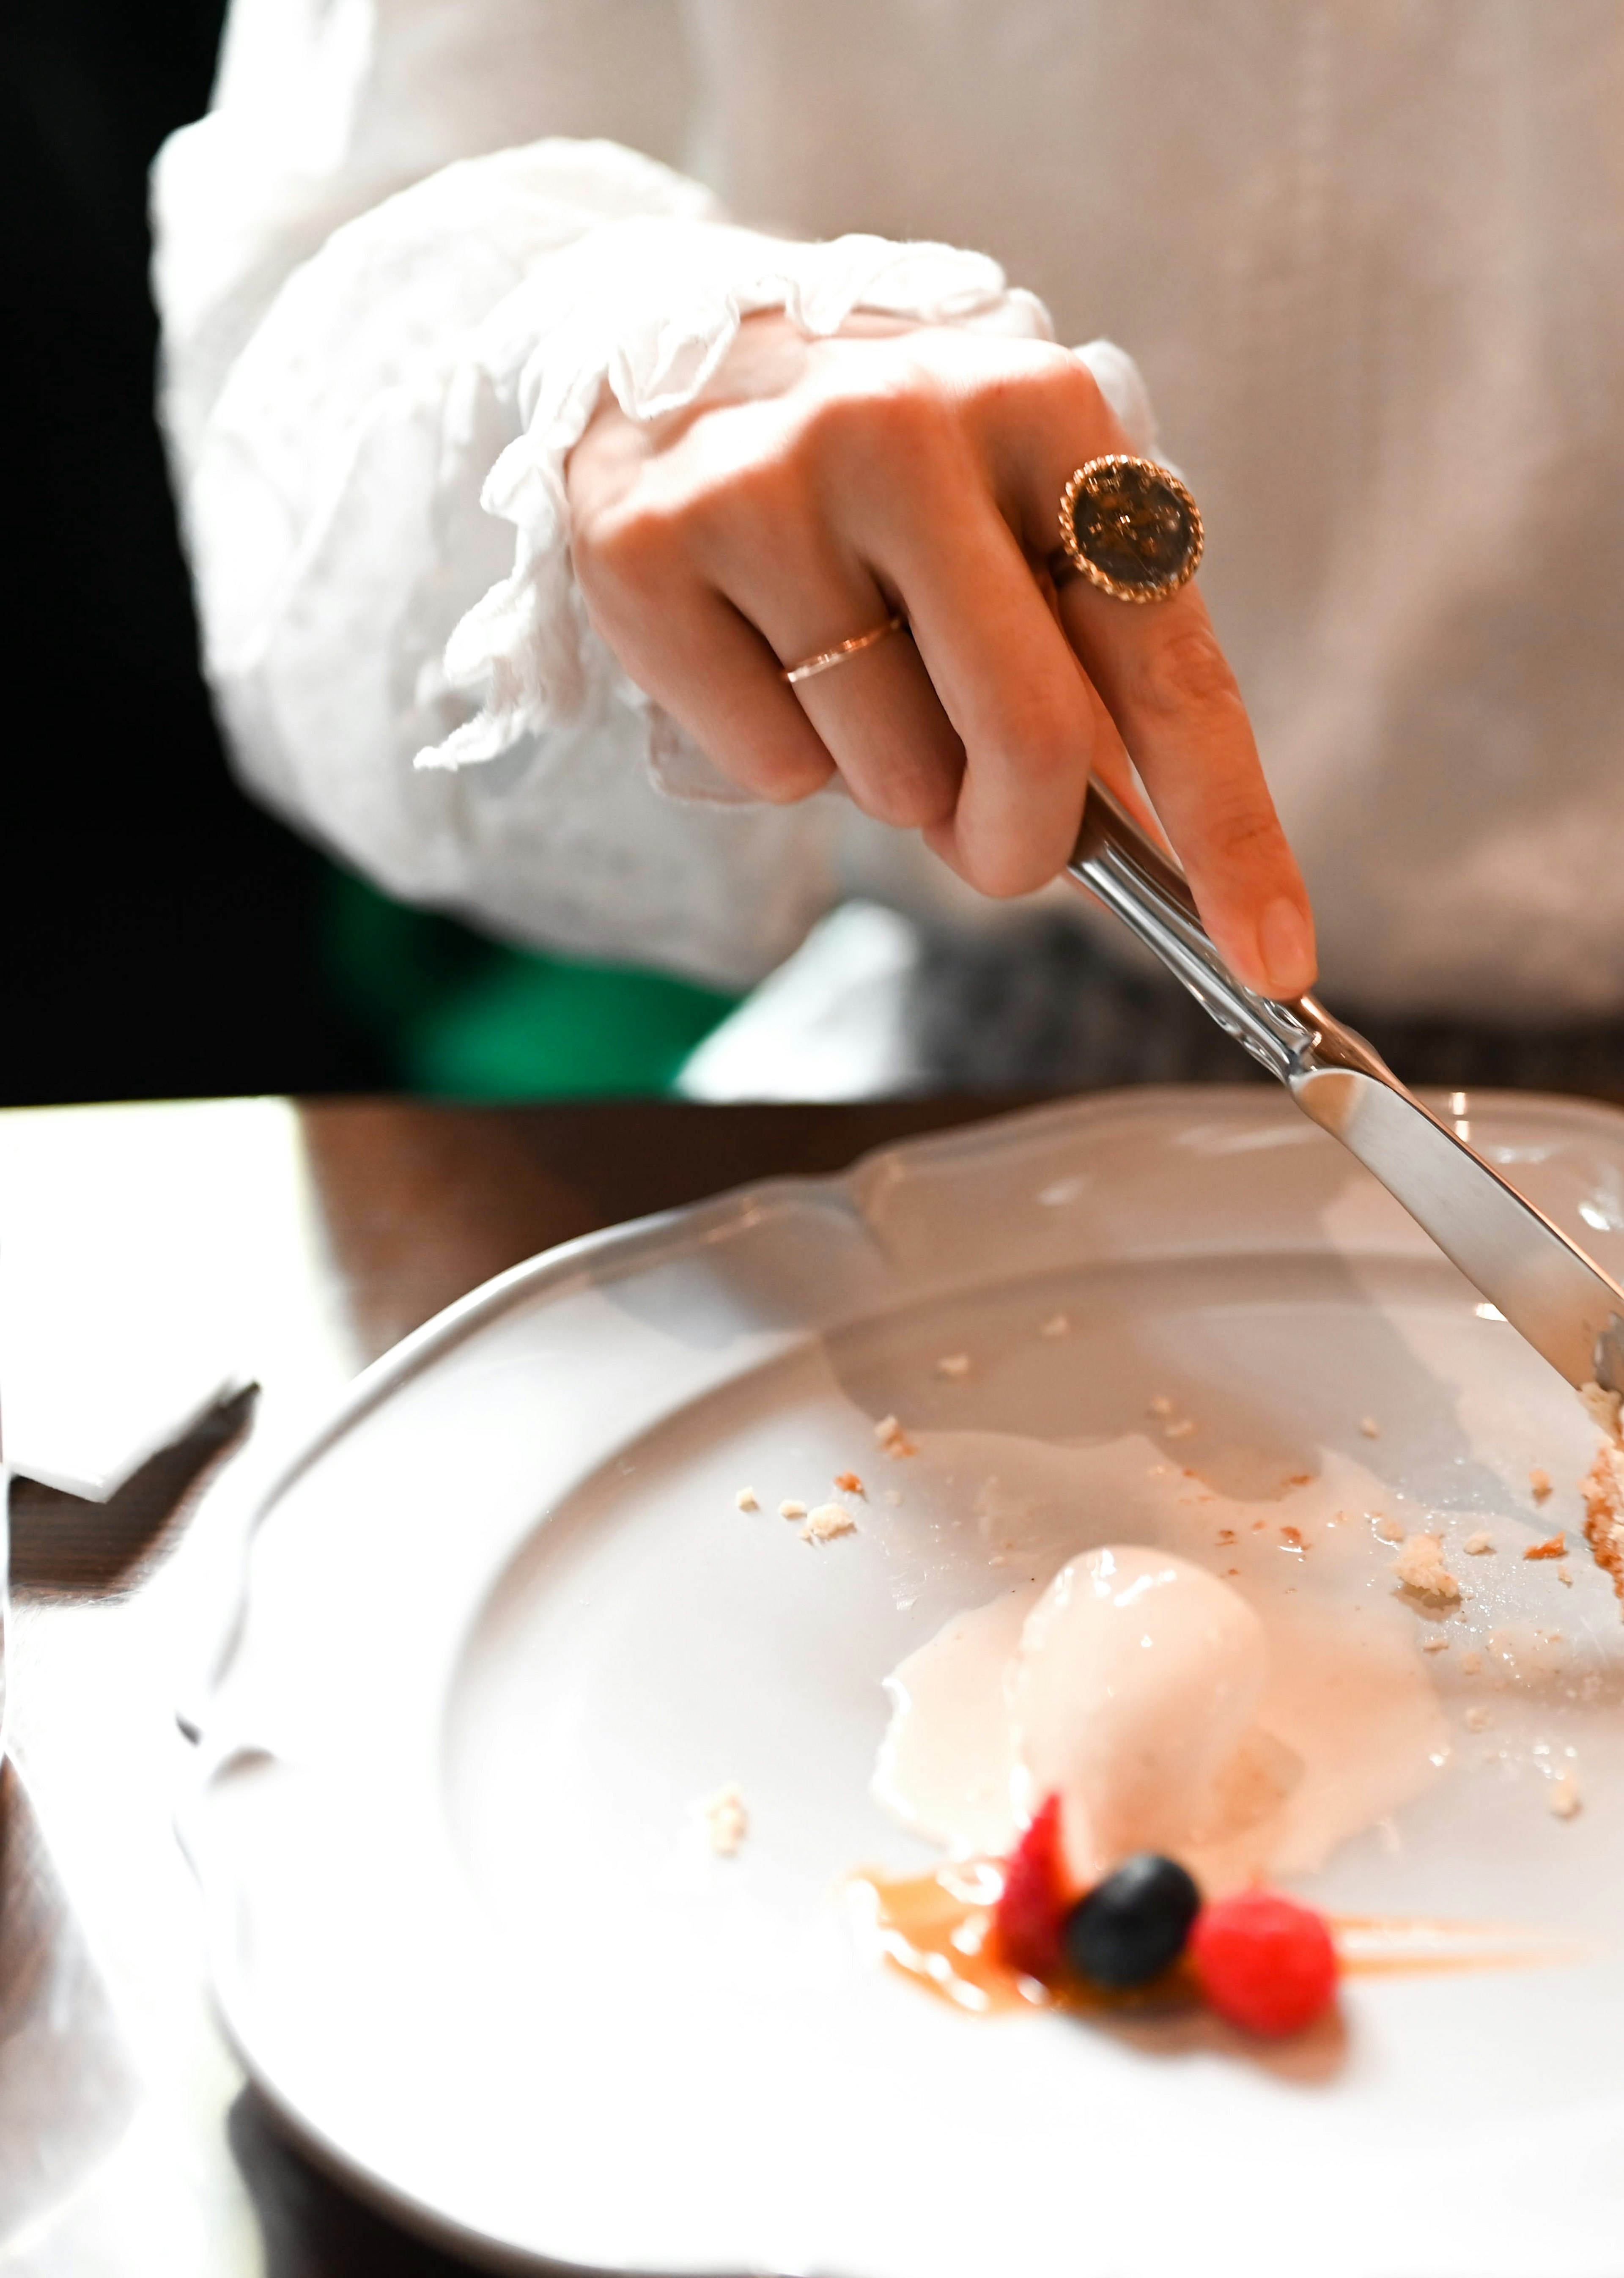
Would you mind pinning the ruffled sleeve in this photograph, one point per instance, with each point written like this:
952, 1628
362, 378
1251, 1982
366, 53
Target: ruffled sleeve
372, 393
375, 507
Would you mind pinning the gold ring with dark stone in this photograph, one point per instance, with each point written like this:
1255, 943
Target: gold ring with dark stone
1130, 527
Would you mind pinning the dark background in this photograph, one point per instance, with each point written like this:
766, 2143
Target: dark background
159, 935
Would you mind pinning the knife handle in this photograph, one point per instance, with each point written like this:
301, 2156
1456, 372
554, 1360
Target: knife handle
1148, 890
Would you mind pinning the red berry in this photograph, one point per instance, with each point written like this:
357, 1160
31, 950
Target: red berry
1037, 1897
1264, 1962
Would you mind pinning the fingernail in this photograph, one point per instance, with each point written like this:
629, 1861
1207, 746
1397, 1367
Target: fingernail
1285, 947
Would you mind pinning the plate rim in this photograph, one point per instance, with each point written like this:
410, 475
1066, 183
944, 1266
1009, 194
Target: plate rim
630, 1242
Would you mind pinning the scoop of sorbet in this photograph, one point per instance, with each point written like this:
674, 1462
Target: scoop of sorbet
1135, 1681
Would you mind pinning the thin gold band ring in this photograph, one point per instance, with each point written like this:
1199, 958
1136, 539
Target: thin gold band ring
810, 667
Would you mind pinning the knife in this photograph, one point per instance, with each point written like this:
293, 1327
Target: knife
1568, 1310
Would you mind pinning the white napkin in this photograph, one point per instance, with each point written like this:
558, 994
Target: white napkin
154, 1260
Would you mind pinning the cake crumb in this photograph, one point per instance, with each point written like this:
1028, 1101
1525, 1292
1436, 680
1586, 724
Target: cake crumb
1434, 1645
1565, 1796
1161, 1403
828, 1520
725, 1821
955, 1366
1603, 1409
1477, 1720
1556, 1547
792, 1510
1472, 1663
1565, 1574
1539, 1484
849, 1483
1292, 1536
1179, 1430
1056, 1325
1479, 1544
1226, 1535
745, 1500
1369, 1426
891, 1440
1388, 1529
1420, 1567
1603, 1487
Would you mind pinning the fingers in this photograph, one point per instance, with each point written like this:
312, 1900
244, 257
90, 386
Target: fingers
698, 657
1169, 690
875, 713
1173, 696
700, 606
1013, 691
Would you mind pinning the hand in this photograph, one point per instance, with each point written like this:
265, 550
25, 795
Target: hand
816, 487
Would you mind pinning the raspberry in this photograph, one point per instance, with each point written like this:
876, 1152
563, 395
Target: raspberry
1036, 1897
1264, 1962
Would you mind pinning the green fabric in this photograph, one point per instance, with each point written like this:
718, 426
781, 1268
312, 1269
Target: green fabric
460, 1017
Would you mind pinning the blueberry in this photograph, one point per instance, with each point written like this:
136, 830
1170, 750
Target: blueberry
1134, 1923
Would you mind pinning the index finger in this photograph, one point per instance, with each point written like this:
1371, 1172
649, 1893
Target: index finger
1167, 685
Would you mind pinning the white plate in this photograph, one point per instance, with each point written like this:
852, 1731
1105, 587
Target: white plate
504, 1626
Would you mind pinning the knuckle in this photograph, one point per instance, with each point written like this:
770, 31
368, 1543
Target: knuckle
1043, 738
630, 552
785, 781
1043, 390
1004, 873
1239, 832
913, 802
898, 426
1186, 672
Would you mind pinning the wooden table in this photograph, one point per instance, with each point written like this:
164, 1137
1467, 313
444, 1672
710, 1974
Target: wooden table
129, 2141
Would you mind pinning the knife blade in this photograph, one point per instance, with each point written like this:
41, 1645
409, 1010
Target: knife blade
1546, 1286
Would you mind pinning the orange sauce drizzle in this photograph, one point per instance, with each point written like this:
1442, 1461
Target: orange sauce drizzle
937, 1930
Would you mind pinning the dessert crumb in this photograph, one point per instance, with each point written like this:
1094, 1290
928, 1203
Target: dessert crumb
1292, 1536
1420, 1567
891, 1440
1161, 1403
1434, 1645
792, 1510
1565, 1574
1539, 1484
1056, 1325
1479, 1544
1477, 1720
1369, 1426
1603, 1487
1556, 1547
849, 1483
955, 1366
1389, 1529
1472, 1663
1604, 1409
1565, 1796
827, 1521
1180, 1429
745, 1500
725, 1821
1226, 1535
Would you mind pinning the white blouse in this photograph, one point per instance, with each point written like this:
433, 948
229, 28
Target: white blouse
1366, 253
